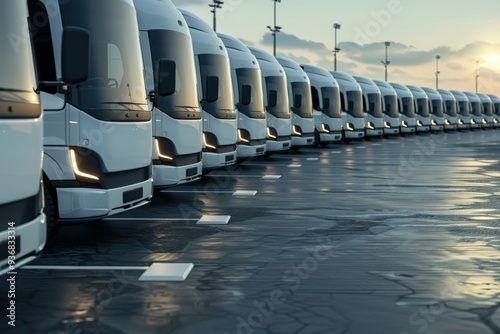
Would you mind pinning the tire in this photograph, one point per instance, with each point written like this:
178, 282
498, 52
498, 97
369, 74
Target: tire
344, 138
366, 137
316, 139
50, 211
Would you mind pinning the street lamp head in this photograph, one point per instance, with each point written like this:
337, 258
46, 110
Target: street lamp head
438, 57
278, 27
336, 26
387, 43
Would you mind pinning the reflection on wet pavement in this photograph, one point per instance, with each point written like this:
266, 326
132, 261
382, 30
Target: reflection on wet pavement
401, 237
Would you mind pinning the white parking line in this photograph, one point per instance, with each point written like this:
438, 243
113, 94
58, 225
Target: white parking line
167, 272
213, 220
151, 219
196, 192
35, 267
157, 272
264, 164
336, 152
377, 144
233, 175
361, 146
312, 159
294, 166
271, 177
245, 193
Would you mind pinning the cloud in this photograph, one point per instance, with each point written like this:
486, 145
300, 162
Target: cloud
293, 56
292, 42
406, 55
181, 3
455, 67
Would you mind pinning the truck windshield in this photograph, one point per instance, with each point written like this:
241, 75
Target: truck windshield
423, 106
496, 108
391, 106
437, 108
276, 85
407, 107
354, 105
213, 65
302, 100
451, 108
176, 46
115, 84
331, 102
463, 108
253, 105
476, 108
374, 106
487, 109
17, 78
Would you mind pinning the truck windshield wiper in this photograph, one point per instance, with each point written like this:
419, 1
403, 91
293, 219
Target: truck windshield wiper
187, 107
121, 102
13, 95
12, 90
127, 105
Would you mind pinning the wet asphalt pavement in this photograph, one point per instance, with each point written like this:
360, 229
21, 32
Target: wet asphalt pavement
398, 235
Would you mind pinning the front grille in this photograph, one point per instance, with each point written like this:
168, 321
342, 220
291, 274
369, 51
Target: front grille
257, 142
226, 148
187, 159
125, 178
283, 138
306, 135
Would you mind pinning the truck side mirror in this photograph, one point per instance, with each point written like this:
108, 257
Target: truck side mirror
273, 98
212, 89
246, 94
75, 55
166, 77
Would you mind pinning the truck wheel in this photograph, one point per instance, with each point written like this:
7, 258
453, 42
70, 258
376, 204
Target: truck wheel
344, 138
50, 211
316, 138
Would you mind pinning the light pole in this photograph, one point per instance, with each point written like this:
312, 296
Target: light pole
477, 73
275, 29
386, 62
215, 5
336, 27
437, 71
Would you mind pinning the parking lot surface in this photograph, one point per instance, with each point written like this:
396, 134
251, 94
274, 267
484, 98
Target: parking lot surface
397, 235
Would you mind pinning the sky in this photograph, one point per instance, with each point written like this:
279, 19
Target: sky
464, 33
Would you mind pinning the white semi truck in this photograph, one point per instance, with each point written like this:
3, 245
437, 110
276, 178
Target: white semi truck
247, 93
275, 93
167, 52
213, 74
325, 94
97, 131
